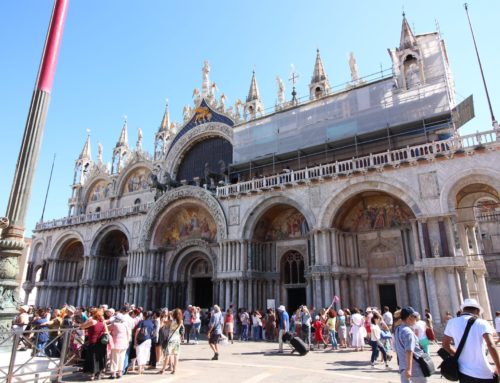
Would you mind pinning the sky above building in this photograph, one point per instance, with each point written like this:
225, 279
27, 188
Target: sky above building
123, 57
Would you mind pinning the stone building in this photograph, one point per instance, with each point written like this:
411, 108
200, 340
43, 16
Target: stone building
367, 192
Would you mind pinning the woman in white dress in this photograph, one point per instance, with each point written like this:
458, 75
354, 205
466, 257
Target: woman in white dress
358, 330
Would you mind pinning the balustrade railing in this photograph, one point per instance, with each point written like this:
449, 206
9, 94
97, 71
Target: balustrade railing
362, 164
92, 217
291, 177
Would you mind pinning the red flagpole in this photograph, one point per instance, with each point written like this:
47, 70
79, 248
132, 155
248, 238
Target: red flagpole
12, 236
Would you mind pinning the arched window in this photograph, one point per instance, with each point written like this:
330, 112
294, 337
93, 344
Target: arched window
293, 268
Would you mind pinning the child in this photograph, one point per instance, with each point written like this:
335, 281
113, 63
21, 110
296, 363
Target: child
318, 332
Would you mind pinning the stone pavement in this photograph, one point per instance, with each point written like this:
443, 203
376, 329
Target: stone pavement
250, 362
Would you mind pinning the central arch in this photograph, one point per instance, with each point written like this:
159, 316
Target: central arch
192, 193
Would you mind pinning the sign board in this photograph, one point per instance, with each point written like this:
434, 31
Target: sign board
271, 304
463, 112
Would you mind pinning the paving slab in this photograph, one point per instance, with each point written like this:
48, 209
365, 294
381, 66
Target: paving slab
253, 362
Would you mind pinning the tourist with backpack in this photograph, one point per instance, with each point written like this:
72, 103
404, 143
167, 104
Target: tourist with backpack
142, 341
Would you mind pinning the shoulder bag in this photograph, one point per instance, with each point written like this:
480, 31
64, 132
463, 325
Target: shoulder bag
449, 366
105, 336
424, 361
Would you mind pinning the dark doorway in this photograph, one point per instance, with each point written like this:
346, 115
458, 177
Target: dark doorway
296, 298
388, 296
202, 288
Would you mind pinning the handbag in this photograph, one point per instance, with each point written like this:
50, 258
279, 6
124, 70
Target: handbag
424, 361
105, 336
426, 364
449, 366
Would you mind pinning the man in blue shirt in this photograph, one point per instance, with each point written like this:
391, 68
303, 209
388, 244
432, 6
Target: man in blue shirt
284, 325
215, 331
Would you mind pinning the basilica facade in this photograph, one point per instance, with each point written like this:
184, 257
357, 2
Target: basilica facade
367, 192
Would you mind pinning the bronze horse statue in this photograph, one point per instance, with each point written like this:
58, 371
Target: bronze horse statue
162, 187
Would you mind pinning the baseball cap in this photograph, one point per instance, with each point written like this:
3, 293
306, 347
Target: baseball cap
407, 312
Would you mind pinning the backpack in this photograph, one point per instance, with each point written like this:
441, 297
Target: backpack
143, 335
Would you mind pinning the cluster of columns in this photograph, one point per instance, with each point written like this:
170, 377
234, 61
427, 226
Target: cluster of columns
251, 293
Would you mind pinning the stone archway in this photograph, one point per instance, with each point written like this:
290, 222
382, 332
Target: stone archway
293, 279
191, 275
66, 268
108, 259
477, 207
375, 237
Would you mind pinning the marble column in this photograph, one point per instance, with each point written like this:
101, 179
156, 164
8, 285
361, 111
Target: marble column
462, 236
227, 300
452, 285
328, 289
317, 250
241, 293
423, 290
318, 299
334, 247
338, 292
475, 243
451, 235
463, 283
325, 244
445, 250
432, 295
415, 234
484, 300
249, 294
222, 292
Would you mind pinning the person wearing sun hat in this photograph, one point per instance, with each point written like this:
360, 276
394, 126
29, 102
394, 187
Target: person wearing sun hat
408, 348
473, 363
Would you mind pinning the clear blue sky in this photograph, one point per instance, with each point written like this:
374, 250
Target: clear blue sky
123, 57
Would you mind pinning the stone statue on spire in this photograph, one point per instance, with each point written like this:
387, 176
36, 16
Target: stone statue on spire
99, 153
205, 85
138, 145
354, 68
281, 90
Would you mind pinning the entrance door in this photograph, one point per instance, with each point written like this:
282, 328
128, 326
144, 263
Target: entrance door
202, 288
388, 297
296, 298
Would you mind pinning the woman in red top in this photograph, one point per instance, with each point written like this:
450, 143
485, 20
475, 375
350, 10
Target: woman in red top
318, 332
229, 325
95, 361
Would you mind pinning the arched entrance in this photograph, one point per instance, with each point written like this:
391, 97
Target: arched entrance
111, 259
68, 268
191, 277
200, 285
293, 279
478, 235
375, 236
277, 272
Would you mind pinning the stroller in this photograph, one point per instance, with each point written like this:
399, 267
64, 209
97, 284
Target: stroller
295, 343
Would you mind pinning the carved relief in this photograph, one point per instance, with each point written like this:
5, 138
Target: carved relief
428, 184
234, 215
136, 228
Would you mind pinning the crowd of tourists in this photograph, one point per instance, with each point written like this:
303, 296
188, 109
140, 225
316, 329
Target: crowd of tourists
128, 340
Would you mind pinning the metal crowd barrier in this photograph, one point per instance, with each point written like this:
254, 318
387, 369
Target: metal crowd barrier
22, 361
